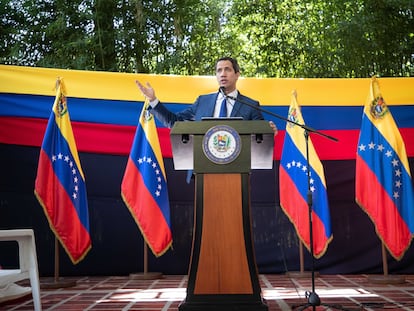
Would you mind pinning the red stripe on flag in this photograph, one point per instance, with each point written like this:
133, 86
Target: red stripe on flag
373, 199
63, 219
90, 137
145, 210
297, 210
117, 139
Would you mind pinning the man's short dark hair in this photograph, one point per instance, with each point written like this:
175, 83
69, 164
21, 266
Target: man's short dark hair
233, 62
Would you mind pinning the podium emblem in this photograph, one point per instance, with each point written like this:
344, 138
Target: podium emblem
221, 144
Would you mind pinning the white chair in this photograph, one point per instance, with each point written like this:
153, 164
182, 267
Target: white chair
28, 268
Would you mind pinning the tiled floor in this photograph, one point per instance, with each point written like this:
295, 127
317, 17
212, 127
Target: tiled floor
282, 292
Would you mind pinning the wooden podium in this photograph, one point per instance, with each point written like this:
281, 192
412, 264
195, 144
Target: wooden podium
223, 273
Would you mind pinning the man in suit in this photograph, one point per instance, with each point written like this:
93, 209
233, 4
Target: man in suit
210, 105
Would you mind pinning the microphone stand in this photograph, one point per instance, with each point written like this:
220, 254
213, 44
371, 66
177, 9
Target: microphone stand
313, 299
305, 127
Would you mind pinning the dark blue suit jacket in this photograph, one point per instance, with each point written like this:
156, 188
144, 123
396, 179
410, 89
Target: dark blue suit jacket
204, 107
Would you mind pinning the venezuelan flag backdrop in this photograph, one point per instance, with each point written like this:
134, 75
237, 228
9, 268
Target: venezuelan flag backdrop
104, 109
105, 106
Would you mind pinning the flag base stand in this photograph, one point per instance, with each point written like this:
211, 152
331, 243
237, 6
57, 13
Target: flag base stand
57, 281
301, 273
385, 278
60, 283
146, 276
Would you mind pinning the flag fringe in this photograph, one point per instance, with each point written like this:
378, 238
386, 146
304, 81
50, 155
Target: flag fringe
52, 227
380, 237
317, 256
157, 254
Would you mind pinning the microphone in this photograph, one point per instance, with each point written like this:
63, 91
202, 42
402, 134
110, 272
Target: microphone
222, 90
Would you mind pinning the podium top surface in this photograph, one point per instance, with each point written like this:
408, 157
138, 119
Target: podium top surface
243, 127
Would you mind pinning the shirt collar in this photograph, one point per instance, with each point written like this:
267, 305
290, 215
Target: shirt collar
233, 94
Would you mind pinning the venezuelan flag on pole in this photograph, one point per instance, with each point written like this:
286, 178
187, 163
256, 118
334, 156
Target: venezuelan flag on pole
293, 185
60, 183
144, 186
383, 184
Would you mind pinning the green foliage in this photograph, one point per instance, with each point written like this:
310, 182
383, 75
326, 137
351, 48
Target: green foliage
285, 38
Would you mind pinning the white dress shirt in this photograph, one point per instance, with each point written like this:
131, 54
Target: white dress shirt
230, 103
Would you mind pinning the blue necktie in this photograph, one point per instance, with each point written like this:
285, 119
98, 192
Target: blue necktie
223, 109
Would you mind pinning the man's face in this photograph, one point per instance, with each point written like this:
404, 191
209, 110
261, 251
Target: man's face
226, 76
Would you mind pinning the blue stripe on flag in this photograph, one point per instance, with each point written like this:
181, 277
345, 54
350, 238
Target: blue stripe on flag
295, 165
385, 163
144, 158
65, 168
125, 112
